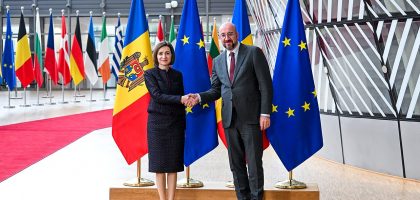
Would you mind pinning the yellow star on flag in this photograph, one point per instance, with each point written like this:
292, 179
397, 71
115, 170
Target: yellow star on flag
185, 40
188, 110
5, 64
290, 112
200, 44
306, 106
302, 45
314, 93
286, 41
206, 106
274, 108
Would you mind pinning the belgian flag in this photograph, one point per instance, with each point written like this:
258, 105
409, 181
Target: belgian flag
24, 65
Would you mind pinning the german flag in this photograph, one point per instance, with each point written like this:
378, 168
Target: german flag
77, 68
129, 122
24, 65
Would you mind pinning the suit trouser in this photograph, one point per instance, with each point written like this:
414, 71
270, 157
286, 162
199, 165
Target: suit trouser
245, 146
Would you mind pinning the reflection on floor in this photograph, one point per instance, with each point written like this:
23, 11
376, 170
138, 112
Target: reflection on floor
87, 168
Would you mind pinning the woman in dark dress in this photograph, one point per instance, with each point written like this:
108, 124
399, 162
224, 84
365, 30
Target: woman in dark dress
166, 121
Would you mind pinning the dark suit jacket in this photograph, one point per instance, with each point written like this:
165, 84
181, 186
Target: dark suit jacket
250, 93
166, 89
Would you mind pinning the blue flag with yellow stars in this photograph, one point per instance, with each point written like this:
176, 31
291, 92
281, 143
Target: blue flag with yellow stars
295, 131
200, 136
7, 63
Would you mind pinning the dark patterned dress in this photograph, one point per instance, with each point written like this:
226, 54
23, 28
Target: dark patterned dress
166, 121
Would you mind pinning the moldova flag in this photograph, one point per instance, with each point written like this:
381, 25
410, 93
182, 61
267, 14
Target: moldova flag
24, 65
201, 136
77, 67
129, 122
295, 131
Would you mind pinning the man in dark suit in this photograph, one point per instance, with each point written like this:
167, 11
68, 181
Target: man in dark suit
242, 78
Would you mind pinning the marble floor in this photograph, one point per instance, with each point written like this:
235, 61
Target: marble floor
87, 168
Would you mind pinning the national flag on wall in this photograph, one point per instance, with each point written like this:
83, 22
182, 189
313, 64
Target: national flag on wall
118, 46
7, 61
295, 131
38, 62
159, 33
104, 67
172, 36
129, 122
77, 68
201, 136
90, 56
50, 61
63, 53
241, 21
24, 67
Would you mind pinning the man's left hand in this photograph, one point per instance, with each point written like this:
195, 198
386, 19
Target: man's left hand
264, 122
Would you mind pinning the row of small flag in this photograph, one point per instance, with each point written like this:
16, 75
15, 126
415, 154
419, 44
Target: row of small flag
71, 65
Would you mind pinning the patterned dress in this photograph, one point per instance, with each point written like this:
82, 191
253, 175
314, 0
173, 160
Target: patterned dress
166, 120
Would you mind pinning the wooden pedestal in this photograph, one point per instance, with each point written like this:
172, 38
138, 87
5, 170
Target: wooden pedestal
212, 191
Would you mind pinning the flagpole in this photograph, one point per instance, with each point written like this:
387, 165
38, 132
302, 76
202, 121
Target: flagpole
75, 95
8, 106
50, 93
90, 91
104, 99
37, 96
139, 181
188, 182
37, 86
16, 97
64, 73
290, 183
24, 99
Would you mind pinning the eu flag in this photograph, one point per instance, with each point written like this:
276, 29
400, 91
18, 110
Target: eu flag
190, 53
295, 132
7, 63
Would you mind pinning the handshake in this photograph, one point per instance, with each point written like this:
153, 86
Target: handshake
190, 100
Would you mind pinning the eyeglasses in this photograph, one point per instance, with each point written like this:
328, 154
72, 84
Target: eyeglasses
224, 35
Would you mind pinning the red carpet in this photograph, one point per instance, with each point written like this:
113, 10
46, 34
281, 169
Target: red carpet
24, 144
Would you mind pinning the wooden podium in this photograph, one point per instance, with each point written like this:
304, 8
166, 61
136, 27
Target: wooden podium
212, 191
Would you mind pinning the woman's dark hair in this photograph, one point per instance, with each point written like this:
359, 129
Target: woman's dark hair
160, 45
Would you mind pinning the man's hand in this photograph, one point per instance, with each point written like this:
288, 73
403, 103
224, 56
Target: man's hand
264, 122
191, 100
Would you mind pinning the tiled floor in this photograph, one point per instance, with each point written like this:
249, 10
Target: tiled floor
87, 168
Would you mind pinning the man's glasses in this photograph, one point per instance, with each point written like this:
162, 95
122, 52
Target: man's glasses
224, 35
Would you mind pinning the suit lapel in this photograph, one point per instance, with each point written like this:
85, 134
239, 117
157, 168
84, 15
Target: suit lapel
224, 69
240, 60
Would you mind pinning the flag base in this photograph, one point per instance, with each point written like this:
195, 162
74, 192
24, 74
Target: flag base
103, 99
8, 107
290, 184
92, 100
51, 103
63, 102
25, 105
230, 184
47, 97
189, 183
16, 97
139, 182
38, 104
